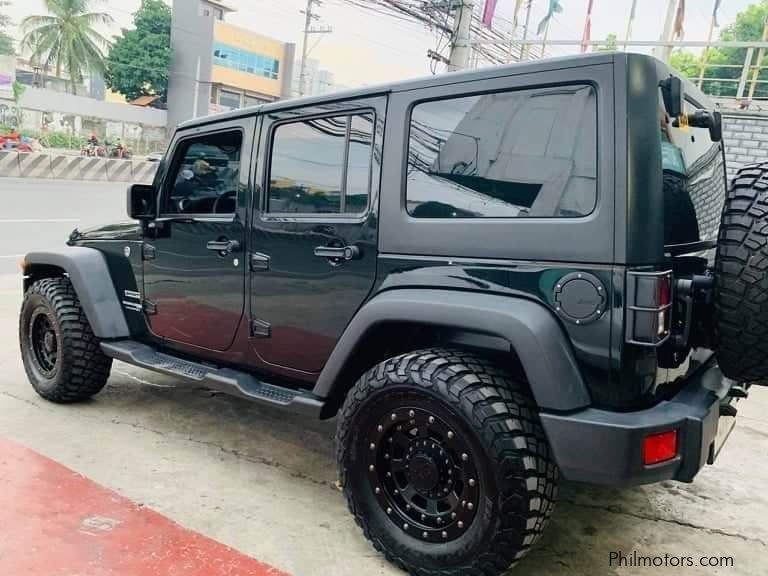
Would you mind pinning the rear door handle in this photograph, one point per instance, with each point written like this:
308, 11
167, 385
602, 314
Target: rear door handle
351, 252
223, 247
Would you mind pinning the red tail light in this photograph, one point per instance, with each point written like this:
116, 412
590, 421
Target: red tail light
659, 447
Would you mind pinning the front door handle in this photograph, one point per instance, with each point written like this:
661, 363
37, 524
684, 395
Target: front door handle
351, 252
223, 246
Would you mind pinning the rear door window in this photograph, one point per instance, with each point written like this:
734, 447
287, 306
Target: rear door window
513, 154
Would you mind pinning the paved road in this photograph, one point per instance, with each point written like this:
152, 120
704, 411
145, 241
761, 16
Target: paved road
264, 483
39, 214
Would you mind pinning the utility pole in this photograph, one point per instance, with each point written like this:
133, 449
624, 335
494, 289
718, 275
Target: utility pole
662, 52
523, 45
309, 17
460, 47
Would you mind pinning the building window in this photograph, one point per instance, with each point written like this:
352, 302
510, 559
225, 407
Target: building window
254, 100
229, 99
521, 154
321, 166
245, 61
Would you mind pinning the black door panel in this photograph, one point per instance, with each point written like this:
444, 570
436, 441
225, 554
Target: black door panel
317, 226
196, 279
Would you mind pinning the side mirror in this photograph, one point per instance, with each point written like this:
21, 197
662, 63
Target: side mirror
673, 95
705, 119
142, 201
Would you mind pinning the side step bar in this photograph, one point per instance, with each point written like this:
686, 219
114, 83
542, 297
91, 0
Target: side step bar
223, 380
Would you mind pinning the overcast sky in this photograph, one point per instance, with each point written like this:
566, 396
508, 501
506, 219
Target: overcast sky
368, 48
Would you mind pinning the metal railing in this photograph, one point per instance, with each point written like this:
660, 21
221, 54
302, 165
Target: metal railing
746, 83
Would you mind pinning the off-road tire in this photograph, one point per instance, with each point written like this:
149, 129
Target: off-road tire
499, 414
80, 369
741, 298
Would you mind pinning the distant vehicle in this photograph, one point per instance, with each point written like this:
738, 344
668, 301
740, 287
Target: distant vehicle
492, 278
154, 157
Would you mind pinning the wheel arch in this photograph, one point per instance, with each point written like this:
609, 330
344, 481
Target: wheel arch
88, 272
524, 330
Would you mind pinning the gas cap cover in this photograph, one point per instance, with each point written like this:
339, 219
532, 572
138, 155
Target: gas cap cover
580, 297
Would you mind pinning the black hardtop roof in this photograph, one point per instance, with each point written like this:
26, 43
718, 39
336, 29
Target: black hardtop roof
425, 82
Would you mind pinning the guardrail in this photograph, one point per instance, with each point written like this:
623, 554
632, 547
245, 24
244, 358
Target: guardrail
42, 165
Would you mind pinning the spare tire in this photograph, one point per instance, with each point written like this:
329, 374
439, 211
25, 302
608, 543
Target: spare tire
741, 295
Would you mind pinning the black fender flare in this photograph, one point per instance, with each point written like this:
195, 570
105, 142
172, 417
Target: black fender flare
88, 271
531, 329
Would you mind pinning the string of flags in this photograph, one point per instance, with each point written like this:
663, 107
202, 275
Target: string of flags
556, 7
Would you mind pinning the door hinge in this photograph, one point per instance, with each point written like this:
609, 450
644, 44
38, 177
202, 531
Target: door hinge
149, 307
259, 262
261, 328
148, 252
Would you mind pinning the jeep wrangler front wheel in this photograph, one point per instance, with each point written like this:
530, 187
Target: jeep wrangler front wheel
61, 355
445, 464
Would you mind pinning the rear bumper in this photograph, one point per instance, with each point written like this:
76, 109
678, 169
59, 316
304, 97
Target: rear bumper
604, 447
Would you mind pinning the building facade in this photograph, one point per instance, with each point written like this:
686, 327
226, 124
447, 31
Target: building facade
217, 66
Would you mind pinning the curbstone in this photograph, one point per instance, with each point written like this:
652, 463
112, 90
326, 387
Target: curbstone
9, 164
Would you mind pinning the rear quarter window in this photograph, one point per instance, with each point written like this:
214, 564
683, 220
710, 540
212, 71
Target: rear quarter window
514, 154
694, 181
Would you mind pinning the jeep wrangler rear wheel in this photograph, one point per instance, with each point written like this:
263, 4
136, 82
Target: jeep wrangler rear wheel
444, 463
742, 278
61, 355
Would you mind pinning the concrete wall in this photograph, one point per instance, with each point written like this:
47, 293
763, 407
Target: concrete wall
746, 138
43, 165
189, 82
45, 100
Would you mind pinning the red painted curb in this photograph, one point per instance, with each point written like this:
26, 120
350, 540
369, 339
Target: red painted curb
55, 522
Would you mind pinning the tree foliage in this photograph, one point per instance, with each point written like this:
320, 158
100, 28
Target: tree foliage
140, 59
611, 43
723, 81
66, 38
6, 42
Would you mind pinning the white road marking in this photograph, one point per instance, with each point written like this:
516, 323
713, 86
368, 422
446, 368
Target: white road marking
36, 220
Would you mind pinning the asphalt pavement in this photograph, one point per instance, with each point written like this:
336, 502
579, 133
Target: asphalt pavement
264, 482
40, 214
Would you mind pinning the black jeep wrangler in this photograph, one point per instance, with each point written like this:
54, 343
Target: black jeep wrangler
492, 279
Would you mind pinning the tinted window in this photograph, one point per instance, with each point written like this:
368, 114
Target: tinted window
694, 181
205, 176
321, 165
529, 153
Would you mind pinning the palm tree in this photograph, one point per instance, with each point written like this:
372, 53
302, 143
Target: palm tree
66, 38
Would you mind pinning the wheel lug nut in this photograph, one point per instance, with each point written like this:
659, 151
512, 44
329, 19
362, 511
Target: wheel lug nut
439, 520
464, 457
372, 446
380, 428
378, 490
393, 417
407, 506
460, 524
431, 419
450, 435
411, 414
386, 456
389, 510
397, 491
471, 481
470, 506
405, 526
371, 468
444, 534
389, 474
424, 535
453, 515
423, 517
463, 503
